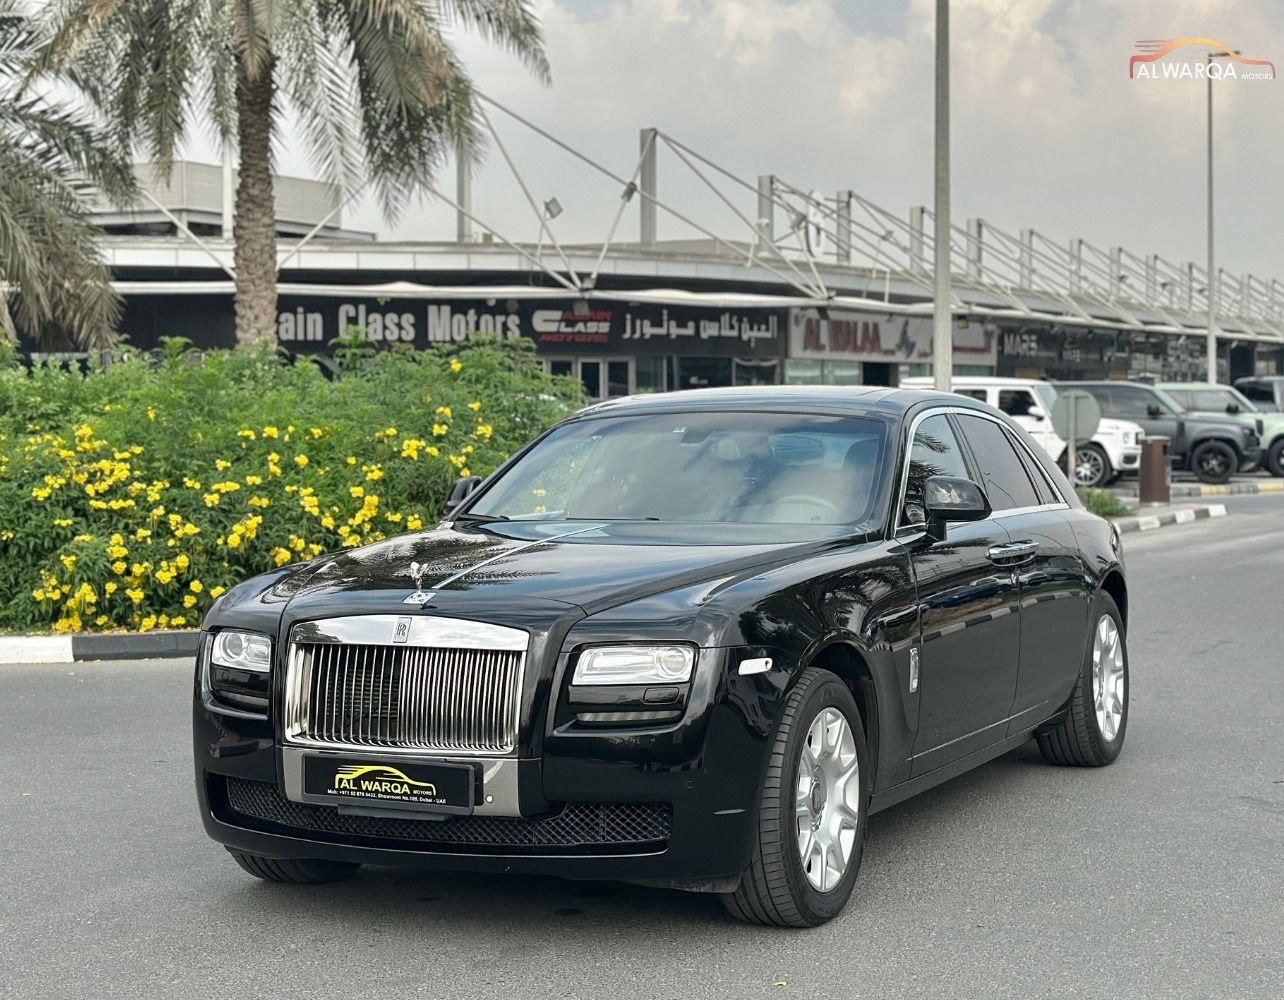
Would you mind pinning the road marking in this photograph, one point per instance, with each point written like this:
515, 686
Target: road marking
35, 649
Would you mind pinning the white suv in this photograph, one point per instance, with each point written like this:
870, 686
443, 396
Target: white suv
1113, 450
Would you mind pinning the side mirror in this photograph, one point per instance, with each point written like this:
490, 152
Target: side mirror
1037, 416
1153, 410
461, 491
1232, 407
946, 499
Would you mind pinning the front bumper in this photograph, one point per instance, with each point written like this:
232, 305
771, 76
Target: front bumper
670, 807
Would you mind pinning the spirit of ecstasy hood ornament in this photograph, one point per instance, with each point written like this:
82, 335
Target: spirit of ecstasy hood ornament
417, 571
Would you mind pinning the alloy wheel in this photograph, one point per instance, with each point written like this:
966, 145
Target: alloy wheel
1089, 467
827, 800
1109, 696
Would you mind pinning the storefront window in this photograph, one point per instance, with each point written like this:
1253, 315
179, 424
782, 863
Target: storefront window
755, 372
650, 374
700, 373
804, 371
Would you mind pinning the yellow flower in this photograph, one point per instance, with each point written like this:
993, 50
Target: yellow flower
38, 594
281, 556
190, 529
135, 595
413, 523
191, 484
259, 502
101, 620
211, 499
456, 365
63, 522
301, 461
464, 472
357, 491
432, 451
351, 459
274, 470
196, 587
373, 474
474, 406
182, 562
444, 411
234, 540
484, 430
151, 413
253, 480
178, 621
189, 600
217, 591
222, 464
271, 432
109, 587
119, 567
327, 521
439, 430
316, 432
142, 534
247, 434
147, 624
344, 531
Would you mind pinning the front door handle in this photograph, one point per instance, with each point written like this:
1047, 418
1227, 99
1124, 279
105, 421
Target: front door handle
1013, 553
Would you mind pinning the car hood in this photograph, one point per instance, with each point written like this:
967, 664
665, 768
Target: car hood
1110, 427
516, 565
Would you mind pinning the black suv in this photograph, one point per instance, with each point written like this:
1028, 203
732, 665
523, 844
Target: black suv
1213, 448
1267, 391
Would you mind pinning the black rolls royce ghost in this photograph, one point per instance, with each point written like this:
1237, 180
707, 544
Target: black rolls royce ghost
691, 639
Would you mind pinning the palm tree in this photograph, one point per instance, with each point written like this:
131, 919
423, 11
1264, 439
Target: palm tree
52, 277
378, 90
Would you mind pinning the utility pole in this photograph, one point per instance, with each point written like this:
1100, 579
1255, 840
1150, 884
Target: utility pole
1212, 273
943, 324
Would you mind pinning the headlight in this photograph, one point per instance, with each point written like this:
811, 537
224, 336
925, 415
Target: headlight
635, 665
242, 651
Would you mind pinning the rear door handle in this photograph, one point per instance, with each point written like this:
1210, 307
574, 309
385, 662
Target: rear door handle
1013, 553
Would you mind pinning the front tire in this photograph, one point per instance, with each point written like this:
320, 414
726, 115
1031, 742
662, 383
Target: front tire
811, 819
1092, 468
1214, 462
1275, 458
1092, 732
304, 871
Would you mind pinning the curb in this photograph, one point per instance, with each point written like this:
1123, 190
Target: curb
1186, 515
75, 648
1225, 490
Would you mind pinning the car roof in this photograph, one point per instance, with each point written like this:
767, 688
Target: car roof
1190, 385
893, 402
1106, 383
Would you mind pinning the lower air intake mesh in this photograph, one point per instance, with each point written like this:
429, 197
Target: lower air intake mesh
583, 827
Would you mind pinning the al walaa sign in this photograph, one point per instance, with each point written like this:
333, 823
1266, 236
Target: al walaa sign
840, 335
306, 324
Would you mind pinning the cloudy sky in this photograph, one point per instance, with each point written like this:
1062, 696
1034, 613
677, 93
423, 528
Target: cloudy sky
1048, 130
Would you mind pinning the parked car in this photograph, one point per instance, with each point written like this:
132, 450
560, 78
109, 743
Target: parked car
692, 639
1266, 391
1213, 448
1206, 399
1113, 450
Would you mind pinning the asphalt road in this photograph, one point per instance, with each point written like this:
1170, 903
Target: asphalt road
1162, 876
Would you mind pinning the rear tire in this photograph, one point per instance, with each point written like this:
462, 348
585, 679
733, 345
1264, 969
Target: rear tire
305, 871
810, 747
1214, 462
1092, 732
1275, 458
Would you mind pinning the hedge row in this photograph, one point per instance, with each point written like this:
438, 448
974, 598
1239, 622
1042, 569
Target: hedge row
133, 494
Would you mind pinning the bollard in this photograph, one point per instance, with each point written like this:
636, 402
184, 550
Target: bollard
1156, 471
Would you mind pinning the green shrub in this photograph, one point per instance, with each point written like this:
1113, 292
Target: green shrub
1103, 503
133, 494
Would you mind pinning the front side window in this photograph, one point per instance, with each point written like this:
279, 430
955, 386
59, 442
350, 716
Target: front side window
727, 467
1003, 474
1258, 392
1016, 402
1126, 401
934, 451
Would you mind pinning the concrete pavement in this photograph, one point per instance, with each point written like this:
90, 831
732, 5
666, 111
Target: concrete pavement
1157, 877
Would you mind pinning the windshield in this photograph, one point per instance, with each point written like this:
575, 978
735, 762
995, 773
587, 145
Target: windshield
1047, 395
729, 467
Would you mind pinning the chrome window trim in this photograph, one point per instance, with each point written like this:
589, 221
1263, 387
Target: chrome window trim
902, 529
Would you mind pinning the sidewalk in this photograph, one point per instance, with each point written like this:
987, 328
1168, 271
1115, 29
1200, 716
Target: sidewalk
1163, 516
1179, 491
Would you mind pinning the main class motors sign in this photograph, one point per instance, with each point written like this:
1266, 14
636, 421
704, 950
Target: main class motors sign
890, 338
312, 323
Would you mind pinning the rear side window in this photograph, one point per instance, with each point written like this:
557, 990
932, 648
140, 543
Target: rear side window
1258, 393
1003, 474
1124, 401
935, 451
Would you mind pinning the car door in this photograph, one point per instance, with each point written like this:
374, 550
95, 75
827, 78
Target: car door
1045, 565
969, 611
1131, 402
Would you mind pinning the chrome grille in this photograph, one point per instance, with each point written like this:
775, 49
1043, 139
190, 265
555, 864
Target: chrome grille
403, 697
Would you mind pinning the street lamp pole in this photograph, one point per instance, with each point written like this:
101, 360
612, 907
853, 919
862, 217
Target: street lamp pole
1212, 273
942, 322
